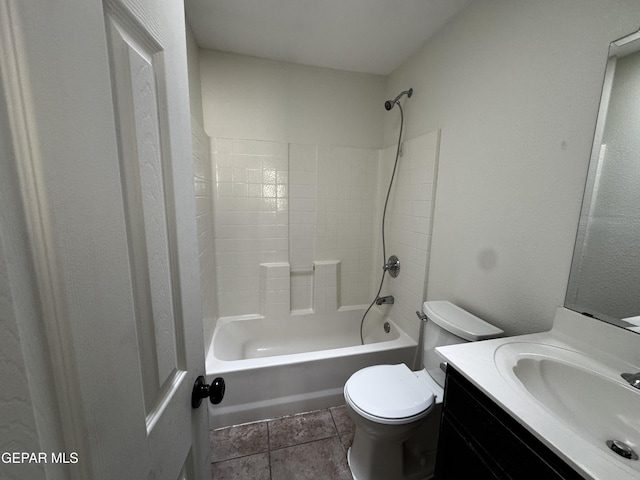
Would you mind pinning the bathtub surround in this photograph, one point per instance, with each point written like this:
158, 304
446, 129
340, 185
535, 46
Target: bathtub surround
302, 238
409, 225
251, 218
203, 184
314, 208
308, 207
326, 286
275, 285
345, 213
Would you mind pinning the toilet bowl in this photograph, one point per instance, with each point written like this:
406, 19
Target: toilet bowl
387, 403
390, 403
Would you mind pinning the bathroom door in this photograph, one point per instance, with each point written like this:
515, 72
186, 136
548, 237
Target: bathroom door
97, 96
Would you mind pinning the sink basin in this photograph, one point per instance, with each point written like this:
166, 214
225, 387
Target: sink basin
581, 392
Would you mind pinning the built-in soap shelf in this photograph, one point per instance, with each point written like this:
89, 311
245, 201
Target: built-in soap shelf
302, 290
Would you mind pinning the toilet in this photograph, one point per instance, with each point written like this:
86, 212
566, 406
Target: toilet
397, 411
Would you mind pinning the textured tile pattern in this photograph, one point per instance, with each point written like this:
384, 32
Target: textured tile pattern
306, 427
239, 441
311, 445
345, 426
275, 202
250, 217
409, 215
343, 421
253, 467
322, 459
203, 185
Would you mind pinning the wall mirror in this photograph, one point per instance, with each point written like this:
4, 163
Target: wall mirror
604, 281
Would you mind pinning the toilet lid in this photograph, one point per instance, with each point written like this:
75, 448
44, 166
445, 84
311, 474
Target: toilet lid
389, 391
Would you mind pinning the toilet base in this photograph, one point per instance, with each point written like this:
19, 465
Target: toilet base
417, 470
409, 456
349, 463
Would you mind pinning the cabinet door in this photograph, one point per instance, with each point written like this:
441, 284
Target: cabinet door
459, 460
478, 438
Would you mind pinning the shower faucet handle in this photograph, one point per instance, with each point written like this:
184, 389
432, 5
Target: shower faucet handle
392, 266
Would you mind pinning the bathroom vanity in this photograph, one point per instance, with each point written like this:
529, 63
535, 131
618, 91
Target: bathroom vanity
542, 406
479, 440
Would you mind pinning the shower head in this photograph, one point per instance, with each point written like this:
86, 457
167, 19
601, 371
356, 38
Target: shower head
390, 103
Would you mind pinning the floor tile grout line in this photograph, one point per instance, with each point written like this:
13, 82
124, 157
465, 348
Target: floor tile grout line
241, 456
334, 422
305, 443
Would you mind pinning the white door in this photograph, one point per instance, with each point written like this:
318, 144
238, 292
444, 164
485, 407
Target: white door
98, 95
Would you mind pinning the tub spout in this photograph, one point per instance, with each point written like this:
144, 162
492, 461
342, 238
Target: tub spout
382, 300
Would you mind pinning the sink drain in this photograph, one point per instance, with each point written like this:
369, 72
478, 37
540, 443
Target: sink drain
622, 449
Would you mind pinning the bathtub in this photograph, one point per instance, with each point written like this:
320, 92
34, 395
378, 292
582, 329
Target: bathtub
275, 367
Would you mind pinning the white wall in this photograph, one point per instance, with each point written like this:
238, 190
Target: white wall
251, 98
193, 71
515, 86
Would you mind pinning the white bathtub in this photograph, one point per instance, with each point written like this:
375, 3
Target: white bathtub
295, 364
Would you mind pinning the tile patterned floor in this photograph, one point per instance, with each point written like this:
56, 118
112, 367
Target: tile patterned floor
309, 445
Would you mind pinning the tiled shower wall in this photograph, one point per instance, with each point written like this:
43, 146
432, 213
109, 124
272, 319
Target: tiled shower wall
347, 179
203, 183
251, 218
409, 224
303, 161
277, 202
305, 206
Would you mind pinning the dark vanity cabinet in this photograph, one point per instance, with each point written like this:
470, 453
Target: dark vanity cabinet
478, 440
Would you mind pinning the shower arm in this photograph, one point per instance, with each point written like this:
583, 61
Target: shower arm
389, 104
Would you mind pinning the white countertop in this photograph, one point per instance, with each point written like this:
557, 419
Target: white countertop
572, 331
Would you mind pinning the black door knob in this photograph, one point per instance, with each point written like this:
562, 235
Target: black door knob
215, 391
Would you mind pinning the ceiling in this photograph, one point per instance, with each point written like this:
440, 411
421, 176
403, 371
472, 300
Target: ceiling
369, 36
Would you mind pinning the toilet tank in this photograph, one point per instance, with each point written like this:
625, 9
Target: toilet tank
449, 324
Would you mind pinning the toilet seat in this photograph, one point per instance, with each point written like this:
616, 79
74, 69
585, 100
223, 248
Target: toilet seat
389, 394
